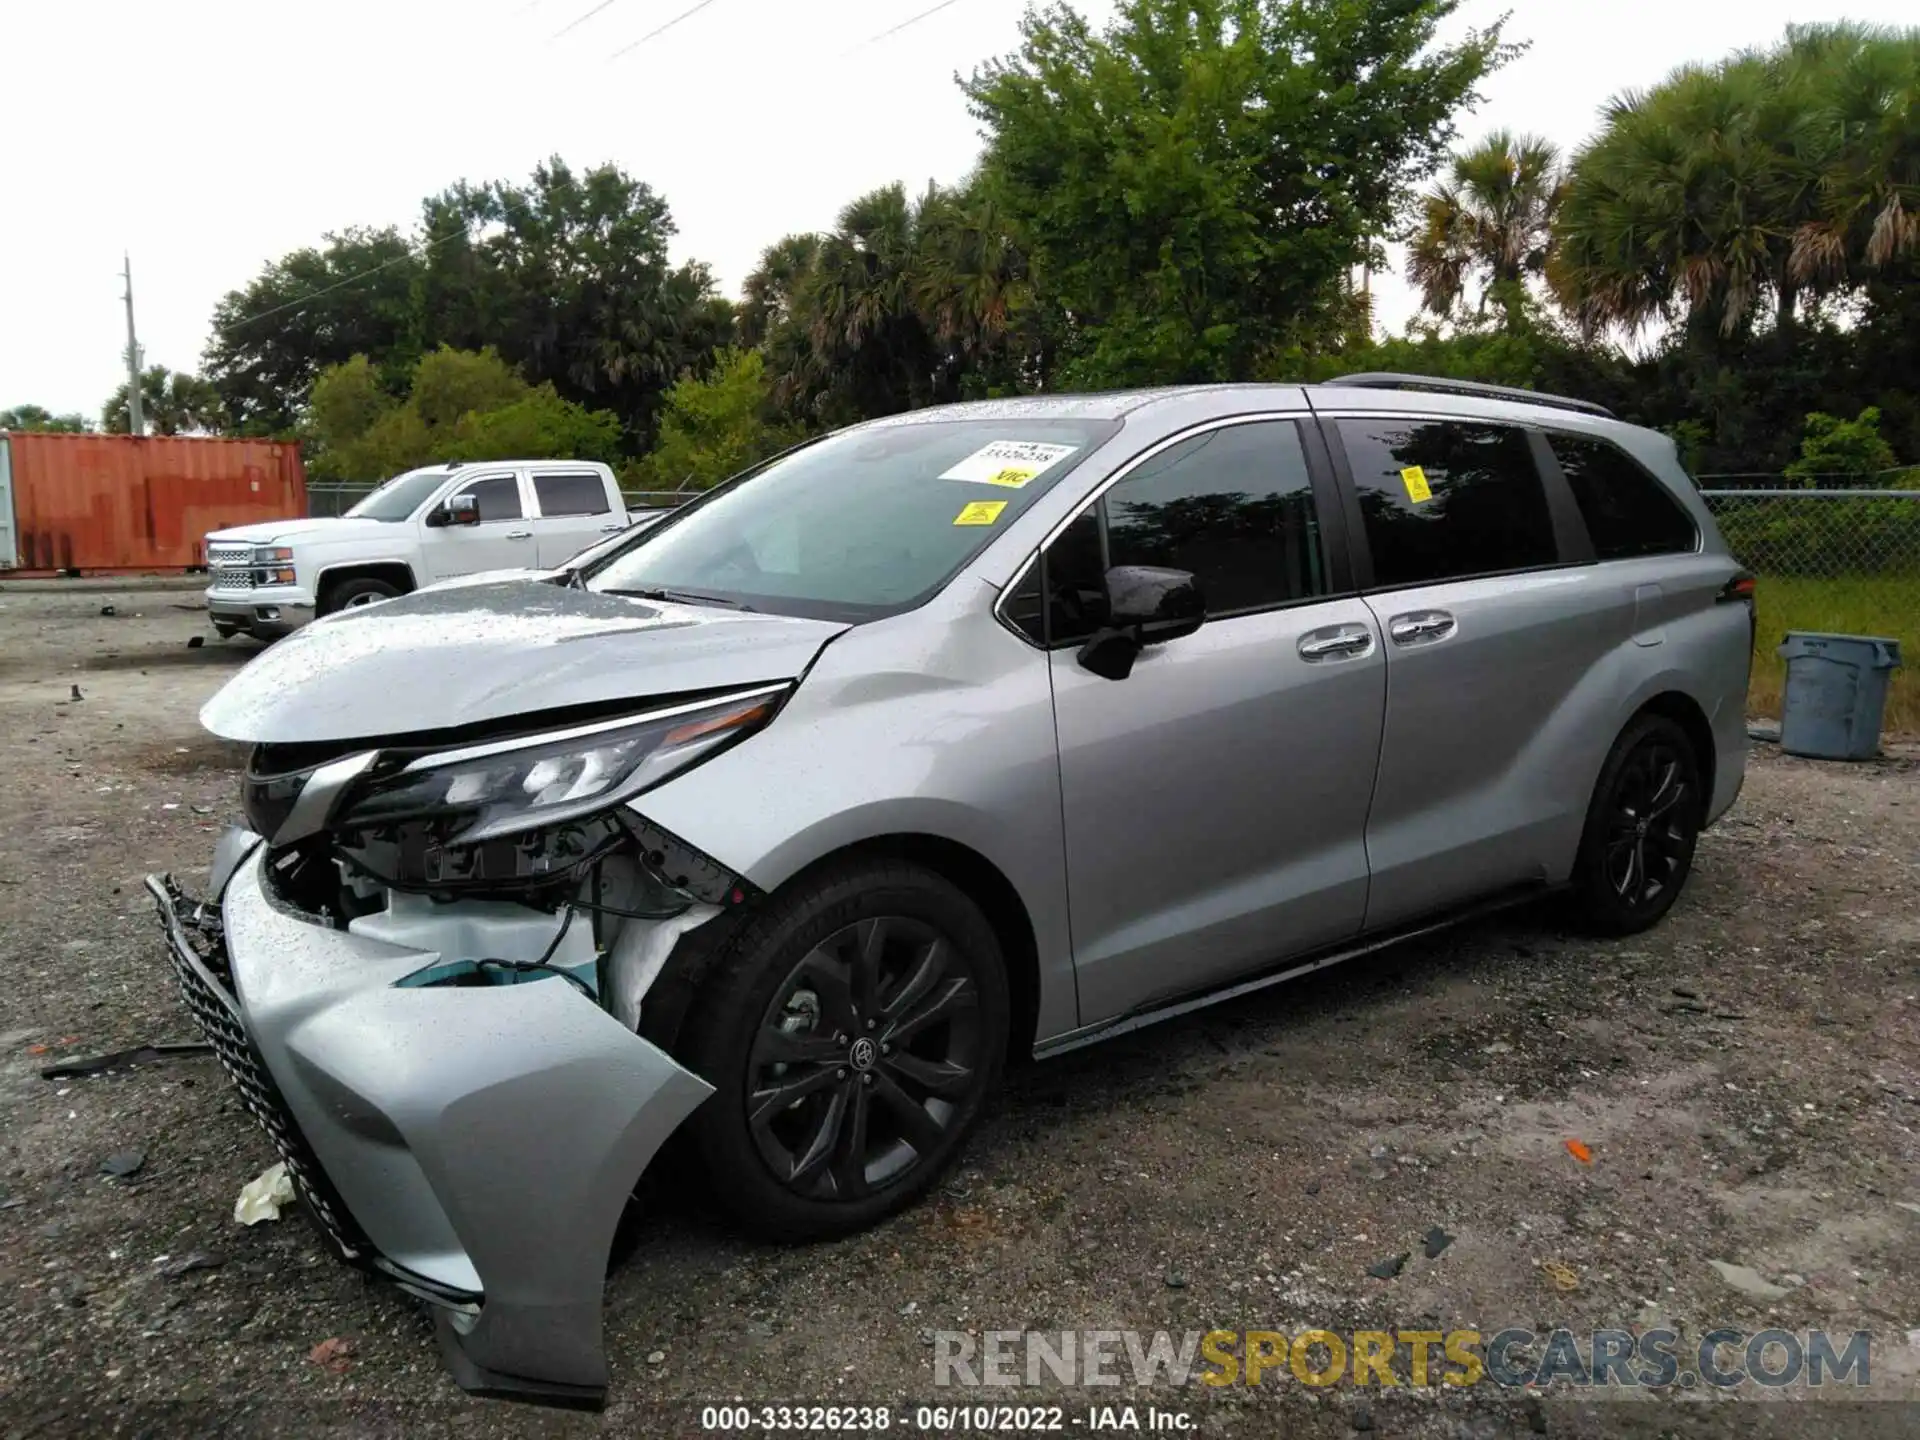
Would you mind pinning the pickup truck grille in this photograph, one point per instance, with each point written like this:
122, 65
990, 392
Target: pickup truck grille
230, 565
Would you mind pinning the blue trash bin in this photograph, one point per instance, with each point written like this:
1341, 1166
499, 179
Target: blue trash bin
1836, 694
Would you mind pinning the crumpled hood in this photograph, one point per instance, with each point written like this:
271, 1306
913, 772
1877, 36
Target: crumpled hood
322, 527
459, 656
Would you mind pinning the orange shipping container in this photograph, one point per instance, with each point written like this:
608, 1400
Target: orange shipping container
116, 503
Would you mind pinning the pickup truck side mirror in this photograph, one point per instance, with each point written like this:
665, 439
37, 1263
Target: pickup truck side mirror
1146, 605
455, 510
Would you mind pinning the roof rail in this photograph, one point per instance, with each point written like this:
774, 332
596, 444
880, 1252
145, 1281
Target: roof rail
1386, 380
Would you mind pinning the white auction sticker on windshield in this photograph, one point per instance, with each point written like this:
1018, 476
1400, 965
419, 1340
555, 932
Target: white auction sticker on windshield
1009, 464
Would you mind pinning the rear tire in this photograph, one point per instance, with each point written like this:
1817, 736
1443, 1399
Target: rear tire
352, 594
1644, 820
852, 1033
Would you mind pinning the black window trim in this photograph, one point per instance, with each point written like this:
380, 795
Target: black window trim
1570, 539
537, 474
1550, 463
1336, 530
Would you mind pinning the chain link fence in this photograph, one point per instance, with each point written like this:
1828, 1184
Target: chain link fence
1838, 554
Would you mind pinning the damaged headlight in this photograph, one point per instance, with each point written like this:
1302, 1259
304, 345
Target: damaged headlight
532, 781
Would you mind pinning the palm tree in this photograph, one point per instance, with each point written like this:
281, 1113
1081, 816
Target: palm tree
767, 296
173, 402
1686, 203
1492, 217
1859, 86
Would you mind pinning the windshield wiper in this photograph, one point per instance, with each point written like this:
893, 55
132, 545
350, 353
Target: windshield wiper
682, 597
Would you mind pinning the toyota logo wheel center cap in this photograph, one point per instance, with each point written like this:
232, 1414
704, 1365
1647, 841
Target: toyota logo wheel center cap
863, 1053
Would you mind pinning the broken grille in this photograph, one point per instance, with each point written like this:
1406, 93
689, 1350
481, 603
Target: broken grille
205, 976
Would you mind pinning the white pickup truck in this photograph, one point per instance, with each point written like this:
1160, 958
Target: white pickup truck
424, 526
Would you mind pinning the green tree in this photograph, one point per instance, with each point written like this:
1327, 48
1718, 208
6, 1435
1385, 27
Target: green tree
716, 426
1832, 447
38, 417
309, 310
1859, 139
1490, 220
459, 405
569, 278
1193, 184
539, 425
1747, 186
173, 402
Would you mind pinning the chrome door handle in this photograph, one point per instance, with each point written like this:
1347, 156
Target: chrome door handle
611, 529
1421, 627
1347, 641
519, 534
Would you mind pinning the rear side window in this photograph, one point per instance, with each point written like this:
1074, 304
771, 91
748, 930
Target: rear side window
572, 494
1232, 506
1628, 512
1443, 499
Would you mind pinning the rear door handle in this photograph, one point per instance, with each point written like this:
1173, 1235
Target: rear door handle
1421, 627
519, 534
1337, 642
611, 529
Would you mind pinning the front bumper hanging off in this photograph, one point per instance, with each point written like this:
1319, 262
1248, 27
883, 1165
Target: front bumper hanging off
477, 1145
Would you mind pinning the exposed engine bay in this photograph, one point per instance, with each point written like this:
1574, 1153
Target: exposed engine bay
420, 842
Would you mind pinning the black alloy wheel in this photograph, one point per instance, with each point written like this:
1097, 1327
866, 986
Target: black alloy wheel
1641, 829
852, 1032
862, 1058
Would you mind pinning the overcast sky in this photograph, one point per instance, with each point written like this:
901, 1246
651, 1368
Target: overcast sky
207, 137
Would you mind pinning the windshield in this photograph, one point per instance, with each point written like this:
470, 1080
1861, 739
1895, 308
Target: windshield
859, 525
400, 496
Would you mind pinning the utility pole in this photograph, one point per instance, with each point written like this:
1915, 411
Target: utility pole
136, 415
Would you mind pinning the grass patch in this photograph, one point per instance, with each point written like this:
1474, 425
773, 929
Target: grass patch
1849, 605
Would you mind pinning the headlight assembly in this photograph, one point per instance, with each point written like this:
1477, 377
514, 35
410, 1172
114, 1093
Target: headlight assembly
508, 786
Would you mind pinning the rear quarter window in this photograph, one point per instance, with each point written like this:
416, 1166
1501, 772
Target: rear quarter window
1628, 512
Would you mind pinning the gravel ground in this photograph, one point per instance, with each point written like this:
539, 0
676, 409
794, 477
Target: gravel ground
1746, 1079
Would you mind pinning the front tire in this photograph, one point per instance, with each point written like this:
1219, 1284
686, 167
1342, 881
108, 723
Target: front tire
352, 594
852, 1034
1642, 825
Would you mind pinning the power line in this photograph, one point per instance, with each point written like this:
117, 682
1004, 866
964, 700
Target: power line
911, 20
690, 11
576, 24
342, 284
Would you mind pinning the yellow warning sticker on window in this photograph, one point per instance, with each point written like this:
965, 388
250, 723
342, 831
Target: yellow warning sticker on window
980, 512
1415, 479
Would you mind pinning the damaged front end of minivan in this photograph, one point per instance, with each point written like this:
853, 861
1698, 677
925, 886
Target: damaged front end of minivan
425, 960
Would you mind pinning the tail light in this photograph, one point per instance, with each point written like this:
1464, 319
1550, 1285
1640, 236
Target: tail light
1740, 590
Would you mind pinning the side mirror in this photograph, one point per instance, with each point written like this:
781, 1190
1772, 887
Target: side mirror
456, 510
1146, 605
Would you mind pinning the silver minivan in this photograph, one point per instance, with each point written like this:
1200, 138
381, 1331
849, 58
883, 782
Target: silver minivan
967, 734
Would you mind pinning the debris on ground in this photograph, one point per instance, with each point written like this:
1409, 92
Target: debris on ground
1175, 1280
656, 1357
1436, 1242
264, 1196
194, 642
190, 1262
12, 1202
1579, 1152
1388, 1268
1560, 1275
334, 1353
108, 610
74, 1067
1748, 1281
123, 1163
76, 695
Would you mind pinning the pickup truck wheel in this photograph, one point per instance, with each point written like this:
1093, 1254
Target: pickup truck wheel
852, 1034
352, 594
